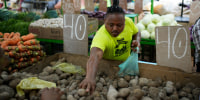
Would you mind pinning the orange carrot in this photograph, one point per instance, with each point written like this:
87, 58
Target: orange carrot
3, 39
33, 60
11, 35
30, 52
22, 59
12, 53
31, 42
35, 53
20, 43
21, 48
38, 58
29, 37
4, 44
9, 69
1, 35
6, 35
17, 34
13, 41
15, 70
8, 48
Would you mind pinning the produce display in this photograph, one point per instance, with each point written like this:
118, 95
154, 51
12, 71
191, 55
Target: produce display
11, 21
150, 21
124, 88
51, 23
23, 50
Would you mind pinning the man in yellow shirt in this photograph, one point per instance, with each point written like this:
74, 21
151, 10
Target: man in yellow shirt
112, 41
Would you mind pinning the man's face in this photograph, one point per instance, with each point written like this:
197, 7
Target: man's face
114, 24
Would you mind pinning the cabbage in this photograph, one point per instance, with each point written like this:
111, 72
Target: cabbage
159, 24
166, 22
168, 16
145, 34
148, 16
146, 21
152, 35
174, 23
140, 26
155, 18
151, 27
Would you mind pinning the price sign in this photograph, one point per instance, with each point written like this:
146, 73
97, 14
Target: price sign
103, 5
194, 11
138, 6
68, 6
173, 47
75, 34
89, 5
77, 5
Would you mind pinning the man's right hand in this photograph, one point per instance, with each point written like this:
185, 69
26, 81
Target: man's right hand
88, 84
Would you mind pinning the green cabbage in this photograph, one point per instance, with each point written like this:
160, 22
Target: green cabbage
140, 26
145, 34
151, 27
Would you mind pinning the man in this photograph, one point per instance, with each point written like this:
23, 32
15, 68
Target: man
112, 41
196, 40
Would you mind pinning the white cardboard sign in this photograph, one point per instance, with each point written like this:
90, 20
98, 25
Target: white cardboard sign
194, 11
173, 47
68, 6
89, 5
75, 35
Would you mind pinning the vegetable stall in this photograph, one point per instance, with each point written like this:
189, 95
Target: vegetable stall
41, 47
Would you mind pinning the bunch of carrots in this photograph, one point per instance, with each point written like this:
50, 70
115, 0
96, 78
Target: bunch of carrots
23, 50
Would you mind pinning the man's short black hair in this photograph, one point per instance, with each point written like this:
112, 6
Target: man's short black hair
115, 8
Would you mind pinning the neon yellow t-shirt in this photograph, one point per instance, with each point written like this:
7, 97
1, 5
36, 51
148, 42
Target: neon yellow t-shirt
115, 48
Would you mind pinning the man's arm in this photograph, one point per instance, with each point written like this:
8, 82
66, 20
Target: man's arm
92, 64
89, 83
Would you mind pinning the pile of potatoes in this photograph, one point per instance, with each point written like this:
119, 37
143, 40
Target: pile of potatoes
118, 88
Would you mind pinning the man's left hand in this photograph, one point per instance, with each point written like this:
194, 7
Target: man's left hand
135, 44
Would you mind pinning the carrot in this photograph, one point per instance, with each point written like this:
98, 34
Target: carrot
11, 35
4, 44
20, 43
6, 35
22, 54
21, 48
33, 60
38, 58
12, 60
30, 52
14, 41
37, 47
22, 59
29, 62
12, 53
1, 35
3, 39
9, 69
35, 53
29, 37
31, 42
15, 70
8, 48
17, 34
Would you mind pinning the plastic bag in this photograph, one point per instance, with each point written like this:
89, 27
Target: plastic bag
33, 83
70, 68
130, 66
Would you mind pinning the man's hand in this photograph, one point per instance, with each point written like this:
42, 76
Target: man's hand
135, 44
88, 84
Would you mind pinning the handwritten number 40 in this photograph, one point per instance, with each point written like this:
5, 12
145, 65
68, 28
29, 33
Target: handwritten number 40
172, 47
75, 28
